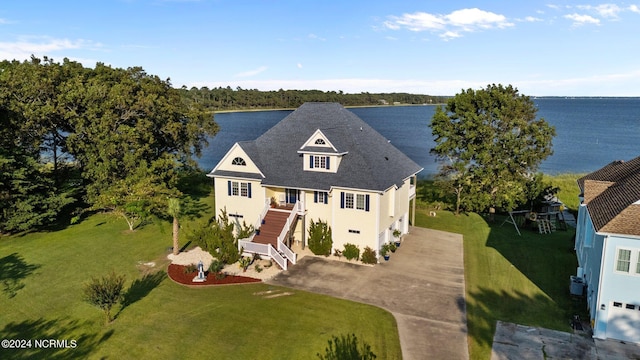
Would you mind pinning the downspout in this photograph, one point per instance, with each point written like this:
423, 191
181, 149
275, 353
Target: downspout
377, 232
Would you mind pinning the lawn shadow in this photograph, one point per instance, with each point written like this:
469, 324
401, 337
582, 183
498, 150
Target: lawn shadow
56, 339
141, 288
192, 208
547, 260
13, 270
488, 306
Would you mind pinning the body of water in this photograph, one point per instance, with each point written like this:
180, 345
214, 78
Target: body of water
590, 132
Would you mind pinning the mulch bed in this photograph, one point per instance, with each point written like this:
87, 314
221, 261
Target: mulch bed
176, 273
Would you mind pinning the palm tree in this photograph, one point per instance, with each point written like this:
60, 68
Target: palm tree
174, 211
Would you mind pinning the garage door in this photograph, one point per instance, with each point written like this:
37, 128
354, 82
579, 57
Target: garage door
624, 322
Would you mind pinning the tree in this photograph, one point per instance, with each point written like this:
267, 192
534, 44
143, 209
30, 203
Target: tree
105, 292
490, 145
132, 135
173, 209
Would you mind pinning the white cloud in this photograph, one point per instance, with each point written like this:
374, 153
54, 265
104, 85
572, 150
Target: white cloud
579, 20
299, 66
252, 72
316, 37
450, 25
531, 19
634, 8
604, 10
449, 35
469, 19
42, 46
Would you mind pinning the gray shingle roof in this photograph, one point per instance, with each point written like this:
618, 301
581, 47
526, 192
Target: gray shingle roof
611, 210
371, 162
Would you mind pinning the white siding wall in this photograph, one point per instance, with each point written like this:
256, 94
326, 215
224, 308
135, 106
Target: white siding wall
247, 209
616, 286
358, 227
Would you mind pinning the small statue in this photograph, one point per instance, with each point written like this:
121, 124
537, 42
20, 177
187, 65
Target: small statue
200, 277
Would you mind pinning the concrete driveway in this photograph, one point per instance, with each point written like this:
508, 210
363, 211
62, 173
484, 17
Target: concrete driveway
422, 286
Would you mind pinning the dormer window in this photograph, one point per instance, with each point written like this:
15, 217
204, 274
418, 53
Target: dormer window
320, 142
319, 162
238, 161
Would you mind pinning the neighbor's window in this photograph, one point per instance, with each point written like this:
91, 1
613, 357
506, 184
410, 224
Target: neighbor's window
235, 188
244, 189
320, 142
624, 260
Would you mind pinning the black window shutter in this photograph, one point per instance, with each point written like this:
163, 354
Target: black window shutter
328, 162
342, 200
311, 161
229, 187
249, 190
315, 196
366, 202
326, 198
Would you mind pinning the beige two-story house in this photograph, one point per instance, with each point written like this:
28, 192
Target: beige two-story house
320, 162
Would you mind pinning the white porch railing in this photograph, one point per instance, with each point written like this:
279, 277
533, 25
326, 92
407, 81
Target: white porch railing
263, 249
267, 205
298, 209
412, 191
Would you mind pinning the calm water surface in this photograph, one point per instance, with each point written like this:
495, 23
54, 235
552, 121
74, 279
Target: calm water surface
590, 132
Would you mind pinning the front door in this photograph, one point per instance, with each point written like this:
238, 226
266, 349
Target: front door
292, 195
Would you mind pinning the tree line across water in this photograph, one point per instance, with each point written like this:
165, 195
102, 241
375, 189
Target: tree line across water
220, 98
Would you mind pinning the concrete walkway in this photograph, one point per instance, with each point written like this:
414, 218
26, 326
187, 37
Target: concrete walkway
520, 342
422, 286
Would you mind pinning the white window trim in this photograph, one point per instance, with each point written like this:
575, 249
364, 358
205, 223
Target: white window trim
634, 261
349, 199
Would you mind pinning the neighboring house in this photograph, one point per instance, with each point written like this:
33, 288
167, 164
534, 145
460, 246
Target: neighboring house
320, 162
608, 249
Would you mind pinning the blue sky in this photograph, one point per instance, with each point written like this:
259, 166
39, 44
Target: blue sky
561, 48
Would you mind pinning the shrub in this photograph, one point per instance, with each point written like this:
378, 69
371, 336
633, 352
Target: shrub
346, 348
216, 266
244, 263
258, 268
320, 241
191, 268
351, 252
369, 256
217, 237
105, 292
221, 275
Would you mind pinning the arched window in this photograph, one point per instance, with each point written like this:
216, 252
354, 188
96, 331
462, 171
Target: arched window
239, 161
320, 142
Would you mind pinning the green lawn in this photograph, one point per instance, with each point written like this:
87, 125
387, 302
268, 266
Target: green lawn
520, 279
41, 275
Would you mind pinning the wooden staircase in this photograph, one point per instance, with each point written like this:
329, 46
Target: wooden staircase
274, 221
